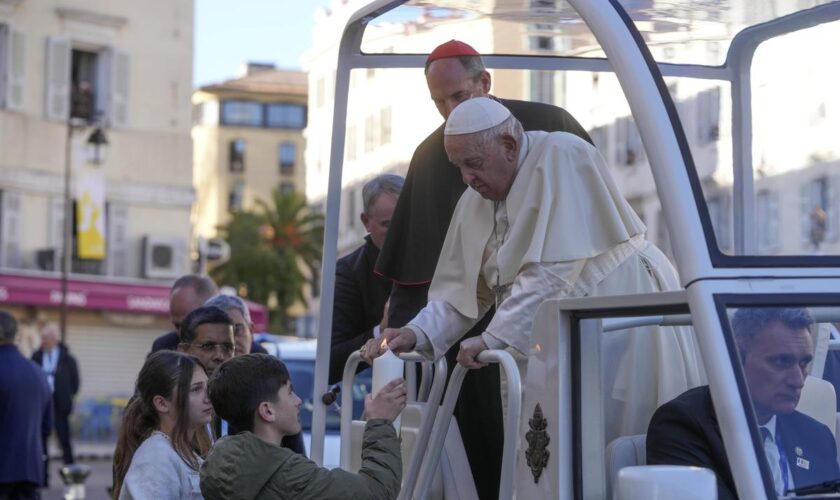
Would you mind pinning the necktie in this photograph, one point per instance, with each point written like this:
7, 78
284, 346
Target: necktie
772, 453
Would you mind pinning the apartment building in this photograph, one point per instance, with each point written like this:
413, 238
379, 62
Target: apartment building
68, 68
247, 142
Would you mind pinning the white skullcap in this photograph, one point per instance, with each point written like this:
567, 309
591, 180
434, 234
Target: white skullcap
475, 115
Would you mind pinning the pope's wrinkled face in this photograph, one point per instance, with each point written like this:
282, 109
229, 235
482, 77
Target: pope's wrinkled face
488, 168
450, 84
775, 367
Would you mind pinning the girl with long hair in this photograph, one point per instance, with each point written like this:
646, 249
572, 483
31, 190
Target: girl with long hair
163, 441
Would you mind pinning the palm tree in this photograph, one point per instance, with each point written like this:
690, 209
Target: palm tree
270, 247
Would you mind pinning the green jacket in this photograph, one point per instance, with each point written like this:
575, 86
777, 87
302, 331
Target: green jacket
244, 467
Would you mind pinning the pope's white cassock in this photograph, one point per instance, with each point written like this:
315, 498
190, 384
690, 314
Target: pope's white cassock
564, 230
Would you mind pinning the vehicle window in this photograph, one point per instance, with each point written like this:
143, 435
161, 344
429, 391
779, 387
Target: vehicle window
788, 370
302, 373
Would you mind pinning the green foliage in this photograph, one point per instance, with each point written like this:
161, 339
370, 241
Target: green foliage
270, 247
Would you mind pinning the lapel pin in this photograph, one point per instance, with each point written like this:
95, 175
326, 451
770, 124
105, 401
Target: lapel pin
798, 451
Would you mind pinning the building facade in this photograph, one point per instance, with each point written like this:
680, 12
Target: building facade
69, 67
796, 155
247, 142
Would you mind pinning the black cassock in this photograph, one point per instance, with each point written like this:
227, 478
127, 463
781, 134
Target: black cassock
409, 256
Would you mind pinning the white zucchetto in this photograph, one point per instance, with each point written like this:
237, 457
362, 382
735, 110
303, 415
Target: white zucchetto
475, 115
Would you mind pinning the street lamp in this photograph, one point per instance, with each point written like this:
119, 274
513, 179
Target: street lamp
95, 147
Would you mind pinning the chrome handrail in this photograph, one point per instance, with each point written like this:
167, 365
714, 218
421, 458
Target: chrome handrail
435, 392
427, 418
441, 425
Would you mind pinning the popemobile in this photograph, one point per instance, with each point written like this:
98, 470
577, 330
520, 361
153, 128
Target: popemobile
738, 118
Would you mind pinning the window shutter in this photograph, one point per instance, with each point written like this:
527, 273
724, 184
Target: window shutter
15, 84
118, 88
11, 230
117, 235
57, 106
56, 229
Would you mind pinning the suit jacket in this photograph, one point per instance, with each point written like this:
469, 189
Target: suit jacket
685, 431
65, 381
25, 417
169, 341
360, 297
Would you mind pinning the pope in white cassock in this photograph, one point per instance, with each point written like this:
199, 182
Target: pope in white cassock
544, 219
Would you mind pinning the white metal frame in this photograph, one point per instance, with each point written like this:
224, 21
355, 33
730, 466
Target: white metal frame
684, 218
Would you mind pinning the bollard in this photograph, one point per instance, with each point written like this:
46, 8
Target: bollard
74, 477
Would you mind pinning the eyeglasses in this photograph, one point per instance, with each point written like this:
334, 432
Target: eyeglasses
227, 347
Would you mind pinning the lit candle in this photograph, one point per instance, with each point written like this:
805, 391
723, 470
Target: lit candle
386, 368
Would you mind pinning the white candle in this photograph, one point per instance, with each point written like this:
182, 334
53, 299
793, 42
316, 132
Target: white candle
386, 368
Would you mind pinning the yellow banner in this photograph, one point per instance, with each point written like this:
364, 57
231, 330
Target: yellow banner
90, 213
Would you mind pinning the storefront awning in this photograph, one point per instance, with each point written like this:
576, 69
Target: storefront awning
99, 295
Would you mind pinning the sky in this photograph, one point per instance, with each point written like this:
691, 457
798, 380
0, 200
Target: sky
229, 33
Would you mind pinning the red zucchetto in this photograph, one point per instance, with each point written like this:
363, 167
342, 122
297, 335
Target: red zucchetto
452, 48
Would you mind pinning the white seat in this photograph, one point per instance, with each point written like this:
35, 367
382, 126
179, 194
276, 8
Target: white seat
819, 401
625, 451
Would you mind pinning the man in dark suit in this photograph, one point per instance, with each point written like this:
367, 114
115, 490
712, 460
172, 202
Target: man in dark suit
63, 376
188, 293
25, 418
360, 295
776, 350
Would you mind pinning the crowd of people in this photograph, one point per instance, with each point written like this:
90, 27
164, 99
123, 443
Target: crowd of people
444, 271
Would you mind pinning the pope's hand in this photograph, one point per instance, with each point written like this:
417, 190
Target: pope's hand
471, 348
399, 340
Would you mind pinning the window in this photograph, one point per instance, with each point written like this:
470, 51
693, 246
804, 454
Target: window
719, 213
12, 65
542, 86
708, 116
242, 113
385, 126
351, 143
541, 42
351, 208
84, 71
286, 116
87, 84
767, 211
370, 133
288, 155
628, 143
237, 155
819, 214
286, 188
236, 196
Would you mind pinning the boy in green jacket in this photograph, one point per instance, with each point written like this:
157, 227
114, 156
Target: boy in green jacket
255, 395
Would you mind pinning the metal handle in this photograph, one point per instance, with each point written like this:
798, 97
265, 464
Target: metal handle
441, 425
346, 413
427, 420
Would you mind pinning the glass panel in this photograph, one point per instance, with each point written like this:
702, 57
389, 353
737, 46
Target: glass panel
627, 370
242, 113
236, 155
287, 158
286, 116
796, 152
683, 31
782, 351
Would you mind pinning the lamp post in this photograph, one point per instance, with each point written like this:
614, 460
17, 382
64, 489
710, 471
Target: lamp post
95, 146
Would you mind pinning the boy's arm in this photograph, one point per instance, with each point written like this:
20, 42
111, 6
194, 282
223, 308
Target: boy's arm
378, 479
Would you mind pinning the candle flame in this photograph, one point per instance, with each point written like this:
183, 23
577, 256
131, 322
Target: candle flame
383, 345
